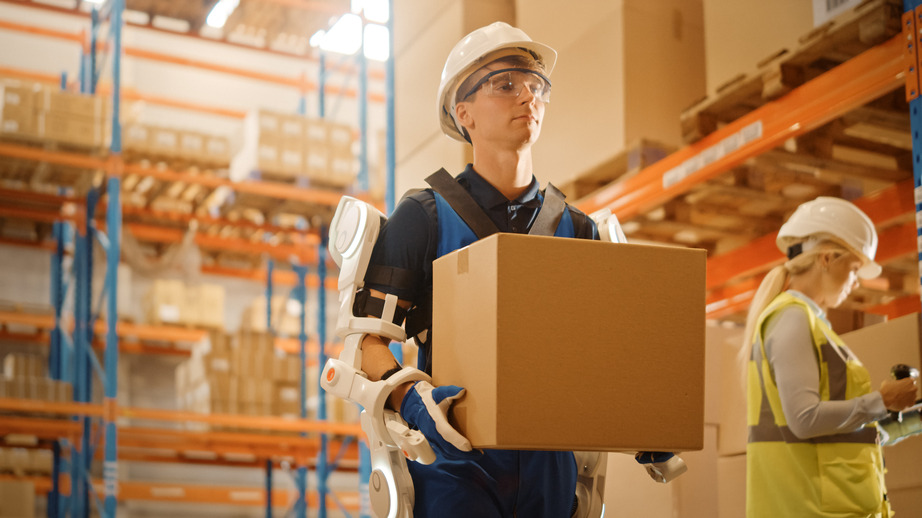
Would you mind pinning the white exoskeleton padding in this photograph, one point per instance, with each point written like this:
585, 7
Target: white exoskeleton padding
353, 233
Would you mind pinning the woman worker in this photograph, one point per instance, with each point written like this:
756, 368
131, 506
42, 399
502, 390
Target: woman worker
814, 447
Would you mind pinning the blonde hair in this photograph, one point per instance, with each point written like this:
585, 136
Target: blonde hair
773, 284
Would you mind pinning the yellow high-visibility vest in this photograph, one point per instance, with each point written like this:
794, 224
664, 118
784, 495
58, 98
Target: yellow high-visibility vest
832, 476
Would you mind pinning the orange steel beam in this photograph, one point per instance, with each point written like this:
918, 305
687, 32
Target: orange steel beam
894, 241
20, 195
76, 37
297, 82
279, 277
134, 95
44, 245
898, 307
30, 75
240, 421
859, 80
269, 189
80, 160
310, 237
238, 245
761, 254
199, 494
41, 428
32, 214
158, 333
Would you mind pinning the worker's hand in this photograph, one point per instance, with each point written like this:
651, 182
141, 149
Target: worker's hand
899, 394
426, 408
662, 466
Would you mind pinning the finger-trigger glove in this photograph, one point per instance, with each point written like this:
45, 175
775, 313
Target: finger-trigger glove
661, 466
426, 408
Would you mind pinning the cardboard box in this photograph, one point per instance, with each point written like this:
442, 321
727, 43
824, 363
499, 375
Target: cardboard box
77, 105
165, 302
906, 502
18, 116
164, 141
731, 486
68, 128
879, 347
606, 338
17, 499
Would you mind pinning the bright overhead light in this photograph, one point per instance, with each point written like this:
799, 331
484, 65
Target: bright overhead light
375, 10
220, 12
317, 38
377, 46
345, 36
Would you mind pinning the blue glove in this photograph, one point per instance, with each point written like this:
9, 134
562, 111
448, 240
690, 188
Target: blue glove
653, 457
426, 408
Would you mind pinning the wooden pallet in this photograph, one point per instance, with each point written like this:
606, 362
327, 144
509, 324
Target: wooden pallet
635, 157
823, 48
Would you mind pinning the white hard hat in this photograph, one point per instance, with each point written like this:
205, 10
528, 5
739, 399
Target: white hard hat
469, 50
838, 219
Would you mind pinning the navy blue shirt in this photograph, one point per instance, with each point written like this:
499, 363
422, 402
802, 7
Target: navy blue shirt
410, 236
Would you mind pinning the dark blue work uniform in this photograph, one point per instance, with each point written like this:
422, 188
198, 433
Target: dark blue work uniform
500, 483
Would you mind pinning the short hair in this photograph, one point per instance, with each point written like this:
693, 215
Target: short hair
528, 61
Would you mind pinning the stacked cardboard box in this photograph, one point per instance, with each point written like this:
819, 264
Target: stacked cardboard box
72, 119
286, 314
17, 499
25, 461
171, 301
24, 376
343, 165
170, 144
18, 115
290, 147
33, 112
248, 377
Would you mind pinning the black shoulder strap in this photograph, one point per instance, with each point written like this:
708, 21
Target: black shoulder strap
551, 212
462, 202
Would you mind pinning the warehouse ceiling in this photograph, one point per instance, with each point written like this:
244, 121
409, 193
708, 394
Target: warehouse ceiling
279, 25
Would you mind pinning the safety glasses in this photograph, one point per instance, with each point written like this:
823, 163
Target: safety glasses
508, 83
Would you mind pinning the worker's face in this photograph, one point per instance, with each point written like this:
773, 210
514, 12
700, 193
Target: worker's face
840, 276
507, 109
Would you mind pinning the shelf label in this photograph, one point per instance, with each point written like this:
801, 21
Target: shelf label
712, 154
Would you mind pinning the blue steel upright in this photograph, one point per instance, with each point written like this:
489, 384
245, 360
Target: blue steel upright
300, 293
113, 254
912, 30
323, 471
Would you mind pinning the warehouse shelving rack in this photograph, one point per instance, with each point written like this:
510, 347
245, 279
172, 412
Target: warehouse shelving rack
875, 72
116, 168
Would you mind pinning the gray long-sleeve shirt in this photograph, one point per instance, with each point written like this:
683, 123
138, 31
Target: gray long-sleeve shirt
790, 351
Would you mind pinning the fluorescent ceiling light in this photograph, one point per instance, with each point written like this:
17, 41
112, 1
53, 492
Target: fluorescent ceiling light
220, 12
377, 46
375, 10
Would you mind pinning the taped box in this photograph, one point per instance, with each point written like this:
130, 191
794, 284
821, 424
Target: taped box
568, 344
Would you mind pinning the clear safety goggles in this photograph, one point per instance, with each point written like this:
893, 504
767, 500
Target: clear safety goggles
508, 82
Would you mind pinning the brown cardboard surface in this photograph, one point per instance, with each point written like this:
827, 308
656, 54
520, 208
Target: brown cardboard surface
733, 432
17, 499
695, 491
572, 344
731, 486
906, 502
879, 347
